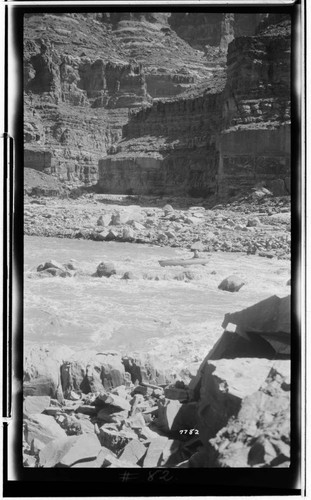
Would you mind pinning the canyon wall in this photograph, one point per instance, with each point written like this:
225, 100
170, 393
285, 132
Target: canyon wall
227, 140
178, 103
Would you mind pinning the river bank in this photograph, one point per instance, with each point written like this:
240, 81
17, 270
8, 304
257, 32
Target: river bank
252, 225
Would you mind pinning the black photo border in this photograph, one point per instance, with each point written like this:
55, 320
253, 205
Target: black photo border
63, 482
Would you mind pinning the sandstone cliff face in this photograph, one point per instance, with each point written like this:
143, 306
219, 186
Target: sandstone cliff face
83, 72
224, 141
255, 141
168, 148
192, 133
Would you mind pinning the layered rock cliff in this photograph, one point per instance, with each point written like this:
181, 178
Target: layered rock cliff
221, 142
159, 102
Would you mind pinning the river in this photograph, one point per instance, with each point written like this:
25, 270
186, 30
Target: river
111, 313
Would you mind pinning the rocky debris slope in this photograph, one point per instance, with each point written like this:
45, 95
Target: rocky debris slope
40, 184
256, 224
88, 409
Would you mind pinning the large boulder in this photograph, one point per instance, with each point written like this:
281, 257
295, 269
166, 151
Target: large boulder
105, 370
259, 436
220, 387
67, 451
35, 404
148, 369
104, 220
92, 372
269, 319
105, 269
51, 264
42, 369
43, 428
131, 213
231, 284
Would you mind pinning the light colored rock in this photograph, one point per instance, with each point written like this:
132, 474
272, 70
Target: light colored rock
53, 452
128, 234
170, 234
104, 220
148, 369
137, 421
224, 383
104, 459
155, 452
198, 245
42, 369
86, 447
42, 427
126, 215
192, 220
138, 226
35, 404
133, 452
168, 210
167, 413
231, 284
259, 435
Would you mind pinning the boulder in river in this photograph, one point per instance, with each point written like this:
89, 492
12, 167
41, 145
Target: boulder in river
128, 275
51, 264
231, 284
105, 269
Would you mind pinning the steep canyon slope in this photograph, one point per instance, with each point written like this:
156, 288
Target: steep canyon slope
159, 103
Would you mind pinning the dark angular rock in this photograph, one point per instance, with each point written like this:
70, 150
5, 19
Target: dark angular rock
269, 318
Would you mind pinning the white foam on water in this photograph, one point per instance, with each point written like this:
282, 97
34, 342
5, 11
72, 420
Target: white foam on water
111, 312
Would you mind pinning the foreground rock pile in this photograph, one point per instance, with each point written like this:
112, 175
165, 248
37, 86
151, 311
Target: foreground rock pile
257, 224
90, 409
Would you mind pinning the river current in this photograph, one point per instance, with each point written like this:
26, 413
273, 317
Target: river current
102, 313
